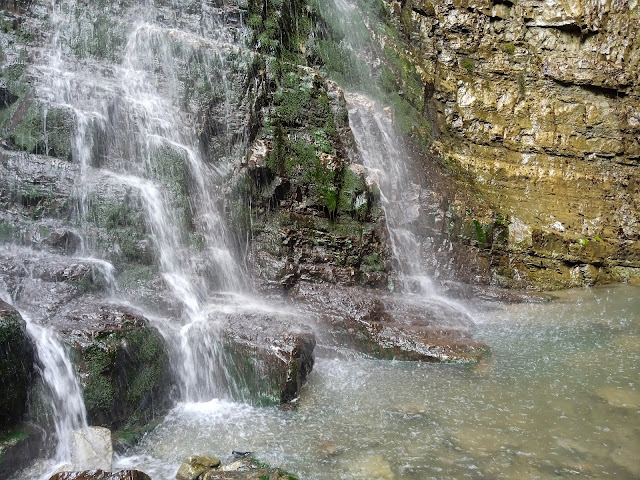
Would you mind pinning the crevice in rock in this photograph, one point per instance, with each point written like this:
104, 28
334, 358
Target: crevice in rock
608, 92
572, 28
421, 12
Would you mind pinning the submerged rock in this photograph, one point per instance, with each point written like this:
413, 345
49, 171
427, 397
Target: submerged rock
101, 475
373, 467
620, 397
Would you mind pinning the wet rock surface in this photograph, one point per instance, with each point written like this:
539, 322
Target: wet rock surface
202, 467
270, 356
389, 326
535, 116
123, 364
19, 445
194, 466
91, 449
101, 475
316, 217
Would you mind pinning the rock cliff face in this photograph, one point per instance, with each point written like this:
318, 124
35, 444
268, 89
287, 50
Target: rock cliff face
537, 109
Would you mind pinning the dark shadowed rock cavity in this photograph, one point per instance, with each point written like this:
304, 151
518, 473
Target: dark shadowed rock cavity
16, 366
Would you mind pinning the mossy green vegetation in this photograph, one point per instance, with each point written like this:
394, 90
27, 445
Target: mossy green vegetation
169, 165
98, 35
37, 128
468, 64
122, 371
509, 47
122, 232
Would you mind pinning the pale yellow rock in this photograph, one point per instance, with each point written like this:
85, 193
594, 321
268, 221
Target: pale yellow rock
373, 467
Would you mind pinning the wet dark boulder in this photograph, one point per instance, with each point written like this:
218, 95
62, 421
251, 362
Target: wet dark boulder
123, 364
269, 356
401, 327
16, 365
19, 445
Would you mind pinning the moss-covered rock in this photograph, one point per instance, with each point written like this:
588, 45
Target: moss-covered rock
18, 447
37, 128
123, 365
122, 230
16, 366
246, 468
313, 216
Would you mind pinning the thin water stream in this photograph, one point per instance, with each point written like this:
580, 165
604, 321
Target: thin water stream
560, 398
60, 381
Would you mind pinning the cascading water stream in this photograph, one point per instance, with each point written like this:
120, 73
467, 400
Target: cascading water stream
382, 154
64, 391
133, 130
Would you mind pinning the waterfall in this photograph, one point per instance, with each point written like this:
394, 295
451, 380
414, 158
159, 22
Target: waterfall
383, 157
139, 113
136, 128
381, 151
63, 389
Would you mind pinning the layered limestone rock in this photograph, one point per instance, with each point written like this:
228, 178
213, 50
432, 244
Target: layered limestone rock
537, 108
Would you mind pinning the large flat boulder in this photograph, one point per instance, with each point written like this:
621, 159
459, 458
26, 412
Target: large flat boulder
402, 327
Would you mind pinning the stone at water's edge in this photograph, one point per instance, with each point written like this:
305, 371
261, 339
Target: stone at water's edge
19, 442
16, 366
195, 466
203, 467
258, 474
390, 327
18, 447
91, 449
101, 475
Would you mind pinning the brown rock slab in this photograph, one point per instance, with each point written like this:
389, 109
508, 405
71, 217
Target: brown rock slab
392, 326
